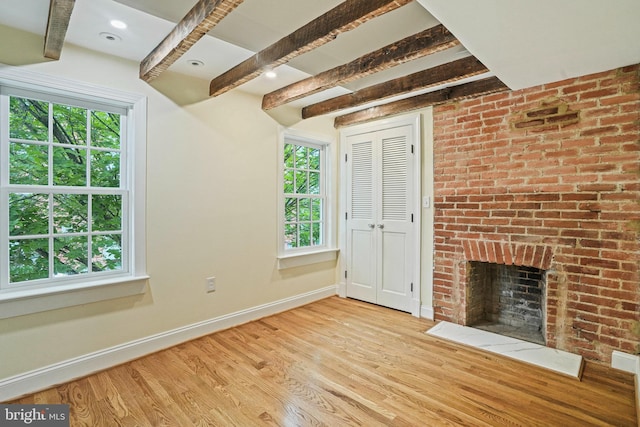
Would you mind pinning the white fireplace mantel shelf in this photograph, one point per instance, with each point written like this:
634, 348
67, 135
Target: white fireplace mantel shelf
556, 360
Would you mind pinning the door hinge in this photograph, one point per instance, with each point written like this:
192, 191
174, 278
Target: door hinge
345, 158
411, 286
411, 148
345, 216
411, 217
345, 274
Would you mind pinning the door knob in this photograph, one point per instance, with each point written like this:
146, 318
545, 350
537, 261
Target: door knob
371, 225
380, 226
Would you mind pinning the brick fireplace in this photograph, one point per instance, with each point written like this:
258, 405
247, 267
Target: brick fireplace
548, 178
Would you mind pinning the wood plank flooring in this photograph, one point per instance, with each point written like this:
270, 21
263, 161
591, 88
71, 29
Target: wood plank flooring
340, 362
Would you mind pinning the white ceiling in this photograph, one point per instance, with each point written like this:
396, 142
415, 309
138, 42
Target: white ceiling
527, 43
256, 24
523, 42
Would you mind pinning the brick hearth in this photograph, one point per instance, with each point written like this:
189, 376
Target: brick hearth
549, 176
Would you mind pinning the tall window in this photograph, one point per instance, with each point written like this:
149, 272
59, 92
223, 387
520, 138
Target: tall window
66, 200
304, 191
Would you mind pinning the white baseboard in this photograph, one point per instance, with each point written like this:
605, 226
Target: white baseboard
68, 370
638, 394
342, 290
427, 312
624, 361
415, 308
638, 389
629, 363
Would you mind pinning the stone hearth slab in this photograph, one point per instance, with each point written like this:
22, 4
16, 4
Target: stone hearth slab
556, 360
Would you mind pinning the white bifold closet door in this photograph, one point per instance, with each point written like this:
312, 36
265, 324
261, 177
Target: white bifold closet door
379, 222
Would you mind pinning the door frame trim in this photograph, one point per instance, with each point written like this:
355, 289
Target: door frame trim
413, 120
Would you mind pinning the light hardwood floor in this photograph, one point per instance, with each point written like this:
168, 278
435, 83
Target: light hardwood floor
340, 362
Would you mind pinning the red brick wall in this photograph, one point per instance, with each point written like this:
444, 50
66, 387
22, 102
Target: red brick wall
549, 177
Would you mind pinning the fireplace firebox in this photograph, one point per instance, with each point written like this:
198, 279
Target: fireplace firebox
506, 299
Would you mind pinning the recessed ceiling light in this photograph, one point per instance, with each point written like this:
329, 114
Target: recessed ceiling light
110, 37
195, 62
116, 23
271, 74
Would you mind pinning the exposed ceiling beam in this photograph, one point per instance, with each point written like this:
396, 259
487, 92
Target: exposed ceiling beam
205, 15
445, 73
57, 24
450, 94
416, 46
342, 18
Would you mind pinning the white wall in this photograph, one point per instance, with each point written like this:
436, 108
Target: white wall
211, 211
427, 218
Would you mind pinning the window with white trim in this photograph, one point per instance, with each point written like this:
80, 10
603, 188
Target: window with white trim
304, 203
68, 204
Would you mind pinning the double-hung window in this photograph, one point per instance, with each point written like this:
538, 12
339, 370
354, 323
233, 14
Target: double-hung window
67, 191
305, 197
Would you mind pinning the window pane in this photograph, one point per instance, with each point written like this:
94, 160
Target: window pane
71, 255
70, 125
305, 234
291, 236
28, 164
314, 159
107, 212
303, 178
105, 129
288, 182
105, 168
66, 187
28, 119
70, 213
28, 214
314, 182
316, 209
302, 185
289, 155
69, 166
316, 233
28, 260
301, 157
107, 253
290, 209
305, 209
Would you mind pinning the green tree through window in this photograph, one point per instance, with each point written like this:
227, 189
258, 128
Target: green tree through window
303, 196
65, 202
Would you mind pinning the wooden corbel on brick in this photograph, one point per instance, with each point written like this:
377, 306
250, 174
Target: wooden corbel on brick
552, 114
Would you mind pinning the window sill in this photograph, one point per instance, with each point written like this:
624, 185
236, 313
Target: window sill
28, 301
300, 259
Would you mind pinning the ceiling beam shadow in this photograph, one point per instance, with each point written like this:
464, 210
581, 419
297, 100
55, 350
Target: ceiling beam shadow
205, 15
450, 94
425, 43
57, 24
342, 18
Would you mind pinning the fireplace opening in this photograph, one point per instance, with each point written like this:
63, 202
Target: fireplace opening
507, 300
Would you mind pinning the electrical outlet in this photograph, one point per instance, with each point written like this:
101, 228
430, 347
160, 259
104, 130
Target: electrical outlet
210, 284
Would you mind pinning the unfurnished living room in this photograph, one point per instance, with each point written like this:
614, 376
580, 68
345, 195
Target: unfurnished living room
319, 213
